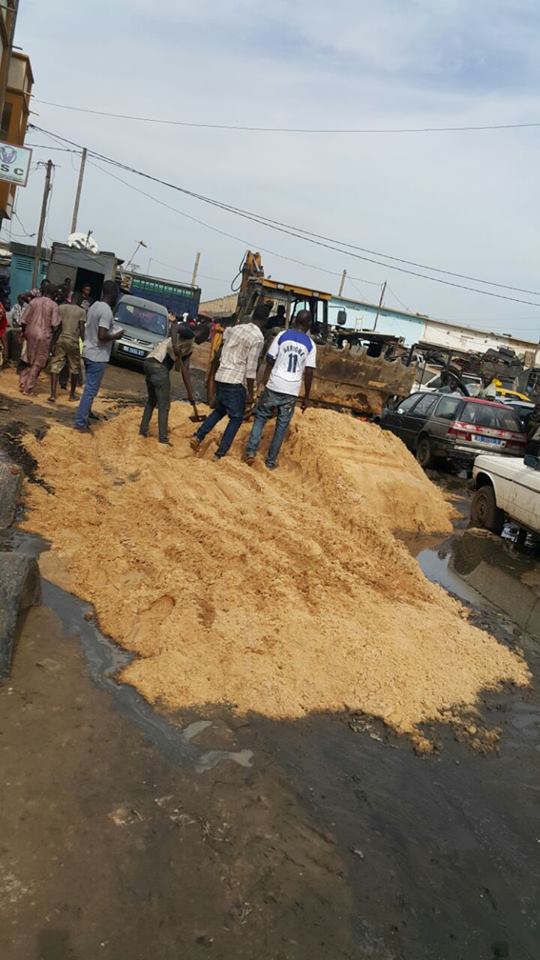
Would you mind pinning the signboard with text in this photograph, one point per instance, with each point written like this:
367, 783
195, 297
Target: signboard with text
14, 164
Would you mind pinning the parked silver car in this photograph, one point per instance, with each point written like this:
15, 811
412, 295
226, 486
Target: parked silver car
144, 324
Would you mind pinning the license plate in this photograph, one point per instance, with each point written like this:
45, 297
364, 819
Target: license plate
133, 350
494, 441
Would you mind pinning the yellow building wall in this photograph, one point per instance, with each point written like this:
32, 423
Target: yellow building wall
15, 118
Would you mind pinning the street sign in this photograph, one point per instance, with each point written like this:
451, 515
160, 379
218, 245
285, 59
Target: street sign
14, 164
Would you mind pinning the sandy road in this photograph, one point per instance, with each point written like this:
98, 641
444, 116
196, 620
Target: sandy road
338, 841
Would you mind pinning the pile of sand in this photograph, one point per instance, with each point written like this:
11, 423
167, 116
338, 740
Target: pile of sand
281, 592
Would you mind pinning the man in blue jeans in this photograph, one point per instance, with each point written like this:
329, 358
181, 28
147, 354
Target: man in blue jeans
98, 339
235, 379
292, 357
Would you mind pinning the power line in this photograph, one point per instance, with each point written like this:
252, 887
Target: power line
352, 279
258, 218
174, 266
282, 256
253, 129
43, 146
293, 231
19, 221
223, 233
300, 234
404, 305
274, 224
278, 223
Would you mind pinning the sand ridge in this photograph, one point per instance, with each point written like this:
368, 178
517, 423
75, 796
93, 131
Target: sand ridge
281, 592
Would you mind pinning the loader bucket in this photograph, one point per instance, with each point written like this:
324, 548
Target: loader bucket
357, 381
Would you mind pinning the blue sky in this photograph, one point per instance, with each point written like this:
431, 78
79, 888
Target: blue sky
466, 201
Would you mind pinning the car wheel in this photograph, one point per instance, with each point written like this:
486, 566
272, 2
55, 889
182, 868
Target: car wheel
424, 453
485, 512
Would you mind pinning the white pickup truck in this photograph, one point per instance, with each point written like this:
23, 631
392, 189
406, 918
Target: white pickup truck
507, 488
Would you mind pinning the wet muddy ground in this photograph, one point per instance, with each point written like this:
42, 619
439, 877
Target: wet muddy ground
124, 385
128, 834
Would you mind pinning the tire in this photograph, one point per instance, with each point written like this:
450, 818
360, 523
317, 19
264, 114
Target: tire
424, 452
485, 512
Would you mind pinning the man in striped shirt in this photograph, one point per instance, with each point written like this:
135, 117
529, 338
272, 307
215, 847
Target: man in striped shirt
235, 380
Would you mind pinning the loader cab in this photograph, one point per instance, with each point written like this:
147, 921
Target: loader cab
258, 289
292, 297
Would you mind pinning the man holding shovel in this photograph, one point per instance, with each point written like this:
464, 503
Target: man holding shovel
174, 350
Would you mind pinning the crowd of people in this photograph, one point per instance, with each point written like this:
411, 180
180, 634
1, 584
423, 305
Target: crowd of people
52, 322
47, 324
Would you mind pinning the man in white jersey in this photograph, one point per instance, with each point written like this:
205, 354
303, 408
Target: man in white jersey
292, 357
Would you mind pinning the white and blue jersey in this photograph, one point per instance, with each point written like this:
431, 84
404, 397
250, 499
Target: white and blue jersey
292, 351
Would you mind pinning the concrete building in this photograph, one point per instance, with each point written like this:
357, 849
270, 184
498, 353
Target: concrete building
412, 327
8, 17
15, 114
419, 328
220, 306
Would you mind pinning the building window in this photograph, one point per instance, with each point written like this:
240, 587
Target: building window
6, 119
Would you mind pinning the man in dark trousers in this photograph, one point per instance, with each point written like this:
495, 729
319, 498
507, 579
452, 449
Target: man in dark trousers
174, 350
235, 379
291, 358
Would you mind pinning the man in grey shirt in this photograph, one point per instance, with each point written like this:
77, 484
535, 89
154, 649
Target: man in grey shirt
98, 337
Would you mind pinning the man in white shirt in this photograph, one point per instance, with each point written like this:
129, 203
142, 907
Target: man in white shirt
235, 380
292, 357
489, 388
98, 340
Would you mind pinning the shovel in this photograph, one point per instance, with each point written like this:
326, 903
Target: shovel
195, 416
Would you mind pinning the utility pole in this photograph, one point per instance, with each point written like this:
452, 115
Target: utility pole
41, 229
342, 282
140, 244
383, 291
79, 190
195, 270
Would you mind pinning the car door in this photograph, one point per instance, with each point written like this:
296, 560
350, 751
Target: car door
520, 493
400, 420
419, 414
442, 416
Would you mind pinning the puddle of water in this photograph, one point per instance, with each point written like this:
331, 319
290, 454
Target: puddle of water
194, 729
435, 564
479, 568
210, 759
105, 659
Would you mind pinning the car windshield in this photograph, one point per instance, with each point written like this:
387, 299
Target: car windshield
127, 314
488, 415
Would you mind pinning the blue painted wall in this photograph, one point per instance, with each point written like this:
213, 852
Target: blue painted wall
362, 316
21, 274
